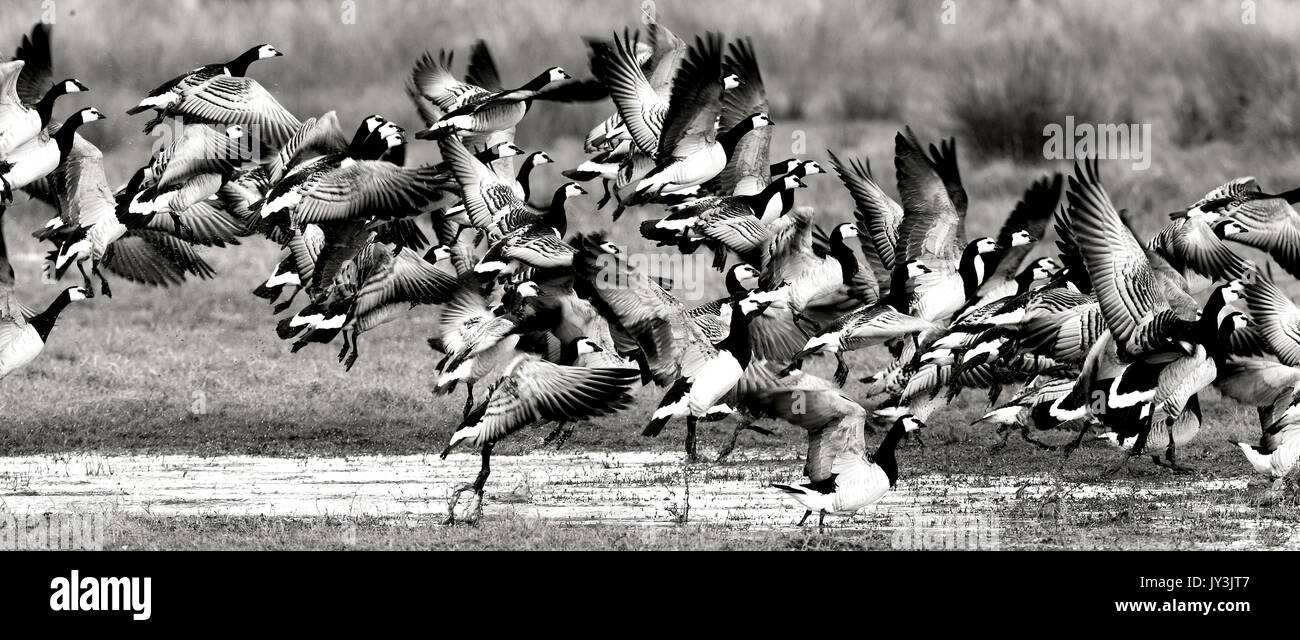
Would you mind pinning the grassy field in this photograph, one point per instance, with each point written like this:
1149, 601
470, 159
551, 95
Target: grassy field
198, 369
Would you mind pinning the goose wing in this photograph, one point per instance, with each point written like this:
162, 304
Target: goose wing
239, 100
934, 203
1031, 214
406, 278
746, 172
878, 215
1121, 275
433, 79
38, 75
13, 115
483, 190
1272, 225
203, 223
1193, 243
155, 258
369, 189
314, 138
694, 103
482, 69
1276, 318
537, 390
639, 106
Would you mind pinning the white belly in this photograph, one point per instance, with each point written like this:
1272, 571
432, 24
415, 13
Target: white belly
18, 347
31, 162
714, 380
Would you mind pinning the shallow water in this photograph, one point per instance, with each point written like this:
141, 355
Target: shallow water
625, 488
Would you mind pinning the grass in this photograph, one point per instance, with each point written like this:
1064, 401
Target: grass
198, 369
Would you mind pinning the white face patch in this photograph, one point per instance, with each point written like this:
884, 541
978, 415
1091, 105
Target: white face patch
730, 82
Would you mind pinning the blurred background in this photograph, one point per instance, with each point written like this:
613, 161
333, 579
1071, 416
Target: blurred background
1218, 81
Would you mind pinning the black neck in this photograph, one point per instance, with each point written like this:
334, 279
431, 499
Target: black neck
556, 218
885, 458
569, 354
66, 135
239, 66
44, 321
1024, 280
758, 201
732, 137
538, 83
360, 139
45, 108
971, 265
525, 171
842, 253
734, 287
898, 298
737, 340
1292, 196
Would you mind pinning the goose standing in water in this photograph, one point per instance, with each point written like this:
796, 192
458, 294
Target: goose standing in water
844, 478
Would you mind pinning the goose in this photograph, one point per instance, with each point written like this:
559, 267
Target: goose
699, 394
727, 222
792, 167
132, 248
476, 339
22, 339
39, 156
523, 179
532, 390
844, 478
649, 319
188, 171
820, 281
536, 244
798, 398
170, 95
1279, 447
657, 61
865, 326
370, 290
878, 215
1026, 223
747, 170
1158, 356
493, 111
20, 123
1268, 222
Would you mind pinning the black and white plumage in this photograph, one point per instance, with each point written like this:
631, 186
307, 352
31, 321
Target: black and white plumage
844, 478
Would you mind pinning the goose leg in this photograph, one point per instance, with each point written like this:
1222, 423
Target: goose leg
607, 195
805, 517
1024, 435
469, 399
558, 435
477, 487
691, 454
1005, 432
821, 521
103, 283
87, 283
1169, 461
353, 350
841, 369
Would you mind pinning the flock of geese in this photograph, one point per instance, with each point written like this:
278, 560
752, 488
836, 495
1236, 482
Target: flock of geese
544, 326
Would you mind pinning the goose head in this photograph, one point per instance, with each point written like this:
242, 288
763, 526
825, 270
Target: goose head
936, 355
1021, 238
1227, 227
910, 423
234, 132
89, 114
71, 85
730, 81
438, 253
808, 167
265, 51
538, 158
610, 248
844, 231
750, 307
573, 190
741, 277
76, 294
504, 150
584, 345
760, 120
1232, 322
547, 78
1231, 291
1043, 268
528, 289
916, 269
985, 246
790, 182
